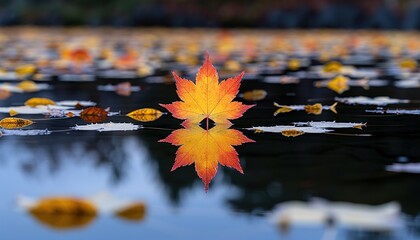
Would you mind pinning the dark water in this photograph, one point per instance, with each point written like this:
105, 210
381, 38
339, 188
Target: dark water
133, 165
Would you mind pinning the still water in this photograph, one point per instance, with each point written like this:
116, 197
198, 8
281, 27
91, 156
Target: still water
134, 165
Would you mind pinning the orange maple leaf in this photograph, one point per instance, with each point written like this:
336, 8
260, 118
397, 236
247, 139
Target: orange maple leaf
207, 98
207, 148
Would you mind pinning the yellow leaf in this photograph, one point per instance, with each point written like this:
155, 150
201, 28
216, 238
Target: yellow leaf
293, 64
25, 70
64, 213
409, 64
13, 113
254, 95
333, 67
134, 212
28, 86
145, 114
339, 84
314, 109
39, 101
13, 123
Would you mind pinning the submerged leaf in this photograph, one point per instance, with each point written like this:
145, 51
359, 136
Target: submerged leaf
13, 123
32, 102
145, 114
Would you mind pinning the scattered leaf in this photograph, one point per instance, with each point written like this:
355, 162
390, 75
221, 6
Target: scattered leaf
63, 212
145, 114
315, 109
254, 95
13, 113
32, 102
134, 212
332, 67
292, 133
13, 123
207, 98
339, 84
28, 86
207, 148
94, 114
293, 64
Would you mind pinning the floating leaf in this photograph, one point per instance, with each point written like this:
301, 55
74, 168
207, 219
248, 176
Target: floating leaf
207, 98
64, 213
25, 70
107, 127
293, 64
207, 148
134, 212
292, 133
145, 114
94, 114
32, 102
332, 67
28, 86
339, 84
13, 113
409, 64
13, 123
254, 95
310, 109
315, 109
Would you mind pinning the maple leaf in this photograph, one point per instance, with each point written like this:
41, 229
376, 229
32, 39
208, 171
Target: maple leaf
207, 148
207, 98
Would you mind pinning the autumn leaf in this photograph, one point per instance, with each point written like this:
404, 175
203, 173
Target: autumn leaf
207, 98
135, 212
63, 212
13, 123
33, 102
207, 148
145, 114
94, 114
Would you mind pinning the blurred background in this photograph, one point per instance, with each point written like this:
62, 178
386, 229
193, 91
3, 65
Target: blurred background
381, 14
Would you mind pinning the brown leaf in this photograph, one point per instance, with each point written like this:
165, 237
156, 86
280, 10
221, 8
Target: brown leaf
94, 115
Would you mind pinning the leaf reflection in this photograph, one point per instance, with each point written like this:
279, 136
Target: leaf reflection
207, 148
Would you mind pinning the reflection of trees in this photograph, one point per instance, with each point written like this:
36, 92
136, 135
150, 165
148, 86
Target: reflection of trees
85, 148
163, 155
300, 168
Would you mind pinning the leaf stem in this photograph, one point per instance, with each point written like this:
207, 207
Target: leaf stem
207, 123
